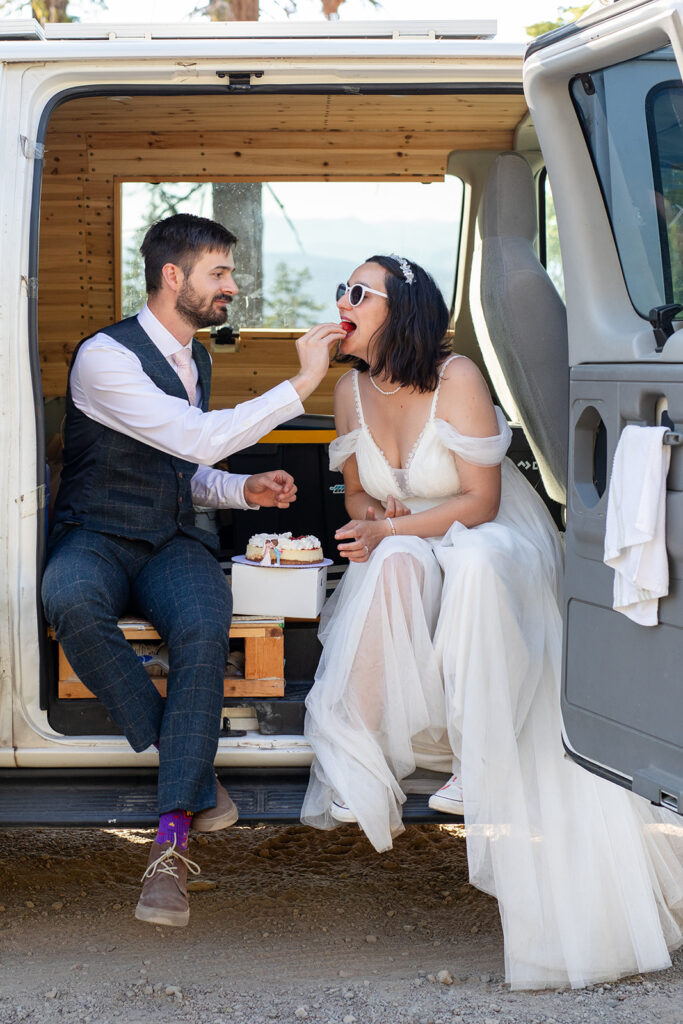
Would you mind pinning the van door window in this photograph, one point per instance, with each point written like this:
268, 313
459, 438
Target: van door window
298, 239
665, 116
630, 118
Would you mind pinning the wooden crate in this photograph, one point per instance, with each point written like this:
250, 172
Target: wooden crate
263, 660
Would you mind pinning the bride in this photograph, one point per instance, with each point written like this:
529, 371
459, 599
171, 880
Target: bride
441, 650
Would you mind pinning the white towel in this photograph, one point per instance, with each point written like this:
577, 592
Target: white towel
635, 538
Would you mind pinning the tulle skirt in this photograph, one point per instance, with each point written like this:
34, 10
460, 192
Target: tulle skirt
445, 654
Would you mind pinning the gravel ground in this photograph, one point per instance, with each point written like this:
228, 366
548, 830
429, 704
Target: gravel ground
287, 924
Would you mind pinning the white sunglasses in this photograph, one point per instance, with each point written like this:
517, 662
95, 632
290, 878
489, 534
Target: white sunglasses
357, 292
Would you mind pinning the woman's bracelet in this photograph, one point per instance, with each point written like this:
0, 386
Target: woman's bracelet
391, 525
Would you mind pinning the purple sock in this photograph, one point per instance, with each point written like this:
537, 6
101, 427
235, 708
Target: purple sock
175, 825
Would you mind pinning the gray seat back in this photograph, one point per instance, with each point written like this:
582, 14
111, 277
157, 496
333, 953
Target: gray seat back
520, 319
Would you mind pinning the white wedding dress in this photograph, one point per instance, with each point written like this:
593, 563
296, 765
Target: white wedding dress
445, 653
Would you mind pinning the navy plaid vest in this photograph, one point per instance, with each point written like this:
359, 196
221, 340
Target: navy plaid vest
114, 484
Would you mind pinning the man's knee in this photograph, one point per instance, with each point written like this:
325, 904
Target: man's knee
207, 628
74, 598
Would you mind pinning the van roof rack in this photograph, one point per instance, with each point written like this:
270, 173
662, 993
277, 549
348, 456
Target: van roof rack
21, 28
416, 30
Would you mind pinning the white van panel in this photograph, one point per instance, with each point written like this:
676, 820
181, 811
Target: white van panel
19, 501
353, 62
250, 751
6, 754
597, 300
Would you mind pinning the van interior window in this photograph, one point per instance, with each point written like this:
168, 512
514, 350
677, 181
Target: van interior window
551, 257
629, 116
298, 239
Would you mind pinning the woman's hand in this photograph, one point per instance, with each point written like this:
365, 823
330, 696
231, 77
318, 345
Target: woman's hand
360, 537
394, 510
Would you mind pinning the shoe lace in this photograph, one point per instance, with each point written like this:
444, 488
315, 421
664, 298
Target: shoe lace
165, 864
454, 784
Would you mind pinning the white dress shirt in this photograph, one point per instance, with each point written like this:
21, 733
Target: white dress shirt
109, 385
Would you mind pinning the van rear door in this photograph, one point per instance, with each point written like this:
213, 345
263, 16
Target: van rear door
606, 98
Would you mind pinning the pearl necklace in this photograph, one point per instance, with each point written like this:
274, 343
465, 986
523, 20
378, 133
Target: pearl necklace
377, 388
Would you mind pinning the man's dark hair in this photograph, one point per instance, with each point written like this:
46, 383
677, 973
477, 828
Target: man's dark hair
411, 344
181, 239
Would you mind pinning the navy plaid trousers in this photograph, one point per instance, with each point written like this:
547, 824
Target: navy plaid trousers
91, 580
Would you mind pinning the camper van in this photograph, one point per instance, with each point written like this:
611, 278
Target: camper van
543, 188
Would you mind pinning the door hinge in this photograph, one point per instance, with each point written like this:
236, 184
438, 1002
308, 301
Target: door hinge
31, 286
32, 501
31, 149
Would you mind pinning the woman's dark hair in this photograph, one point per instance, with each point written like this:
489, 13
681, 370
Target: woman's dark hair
181, 239
411, 344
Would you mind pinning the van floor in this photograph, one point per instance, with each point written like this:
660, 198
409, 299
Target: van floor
287, 924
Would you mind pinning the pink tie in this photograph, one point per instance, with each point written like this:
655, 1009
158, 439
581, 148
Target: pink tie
183, 361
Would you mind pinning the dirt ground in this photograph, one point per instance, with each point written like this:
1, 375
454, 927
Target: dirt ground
287, 924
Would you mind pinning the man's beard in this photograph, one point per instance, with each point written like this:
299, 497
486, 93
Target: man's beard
198, 313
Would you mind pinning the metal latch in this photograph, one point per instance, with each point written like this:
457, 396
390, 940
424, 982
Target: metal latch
659, 788
33, 501
661, 319
225, 339
227, 729
239, 81
31, 149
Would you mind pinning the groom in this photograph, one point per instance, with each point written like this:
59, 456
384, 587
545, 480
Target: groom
139, 447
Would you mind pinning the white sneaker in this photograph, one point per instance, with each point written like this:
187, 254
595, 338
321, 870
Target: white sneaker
340, 812
449, 798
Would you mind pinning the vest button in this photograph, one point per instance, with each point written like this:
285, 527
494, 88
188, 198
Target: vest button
180, 500
180, 475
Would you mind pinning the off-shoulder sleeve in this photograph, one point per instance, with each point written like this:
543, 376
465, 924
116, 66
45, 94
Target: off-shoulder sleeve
342, 448
480, 451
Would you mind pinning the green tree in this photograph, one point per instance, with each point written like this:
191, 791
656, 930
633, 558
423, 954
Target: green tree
239, 205
566, 16
164, 200
289, 305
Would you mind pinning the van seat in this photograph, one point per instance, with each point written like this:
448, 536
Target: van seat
520, 319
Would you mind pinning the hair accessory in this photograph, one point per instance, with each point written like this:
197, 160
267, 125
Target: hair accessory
405, 267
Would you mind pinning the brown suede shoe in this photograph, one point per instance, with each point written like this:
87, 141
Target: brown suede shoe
214, 818
163, 899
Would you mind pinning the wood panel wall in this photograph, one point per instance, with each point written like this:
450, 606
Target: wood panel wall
93, 144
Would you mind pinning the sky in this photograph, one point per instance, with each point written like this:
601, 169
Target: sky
512, 15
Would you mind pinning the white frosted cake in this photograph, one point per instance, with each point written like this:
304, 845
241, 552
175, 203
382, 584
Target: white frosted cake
283, 549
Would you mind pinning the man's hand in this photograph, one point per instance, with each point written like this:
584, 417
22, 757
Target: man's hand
275, 489
313, 349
